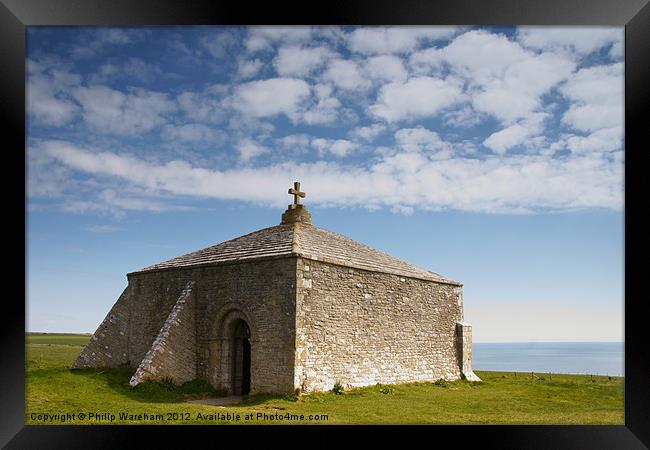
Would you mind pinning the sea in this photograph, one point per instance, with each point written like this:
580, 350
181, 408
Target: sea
595, 358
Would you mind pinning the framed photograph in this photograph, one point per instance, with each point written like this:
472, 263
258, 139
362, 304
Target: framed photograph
369, 216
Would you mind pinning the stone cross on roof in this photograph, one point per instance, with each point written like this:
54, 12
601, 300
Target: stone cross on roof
295, 191
296, 212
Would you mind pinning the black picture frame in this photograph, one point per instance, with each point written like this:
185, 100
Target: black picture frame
634, 15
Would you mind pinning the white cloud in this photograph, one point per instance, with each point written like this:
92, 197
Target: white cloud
346, 75
45, 179
482, 56
295, 143
324, 112
116, 202
323, 109
504, 80
97, 39
464, 117
180, 51
518, 93
406, 210
603, 140
249, 149
385, 68
203, 106
504, 103
140, 70
580, 40
48, 99
597, 98
271, 97
394, 39
46, 106
108, 110
616, 52
105, 72
192, 132
508, 137
247, 127
114, 36
263, 37
294, 60
367, 133
405, 179
218, 44
420, 139
248, 68
134, 68
337, 147
417, 98
516, 134
427, 61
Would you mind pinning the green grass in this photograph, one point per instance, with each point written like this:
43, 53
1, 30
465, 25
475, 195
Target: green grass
58, 339
502, 398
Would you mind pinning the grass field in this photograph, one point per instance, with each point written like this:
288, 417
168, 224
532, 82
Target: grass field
502, 398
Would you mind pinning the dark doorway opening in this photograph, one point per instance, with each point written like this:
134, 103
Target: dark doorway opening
246, 378
241, 359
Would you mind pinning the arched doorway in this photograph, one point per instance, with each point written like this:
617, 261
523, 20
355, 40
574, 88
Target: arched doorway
241, 358
233, 350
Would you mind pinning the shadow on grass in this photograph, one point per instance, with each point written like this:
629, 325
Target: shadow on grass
117, 379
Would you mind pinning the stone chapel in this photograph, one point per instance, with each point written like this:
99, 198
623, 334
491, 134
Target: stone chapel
289, 308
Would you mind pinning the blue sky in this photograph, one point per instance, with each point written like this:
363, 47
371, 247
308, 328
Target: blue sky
493, 156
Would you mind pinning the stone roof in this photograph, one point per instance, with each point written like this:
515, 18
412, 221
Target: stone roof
300, 239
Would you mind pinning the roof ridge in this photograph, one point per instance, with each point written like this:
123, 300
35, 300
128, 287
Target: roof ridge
295, 244
375, 250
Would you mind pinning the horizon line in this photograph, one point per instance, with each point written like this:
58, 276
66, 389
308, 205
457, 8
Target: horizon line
475, 342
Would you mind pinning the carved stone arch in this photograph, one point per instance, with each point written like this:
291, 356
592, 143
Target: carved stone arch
228, 313
226, 347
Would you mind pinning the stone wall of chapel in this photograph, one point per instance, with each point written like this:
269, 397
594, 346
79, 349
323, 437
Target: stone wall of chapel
263, 293
360, 328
